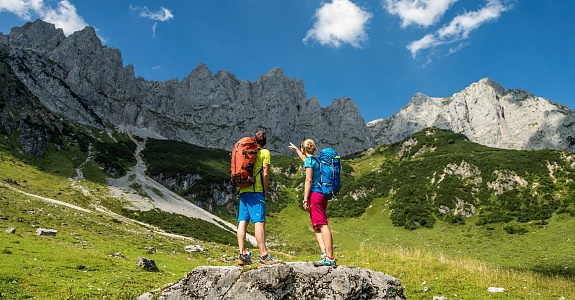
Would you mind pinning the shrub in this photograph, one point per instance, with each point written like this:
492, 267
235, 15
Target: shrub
515, 229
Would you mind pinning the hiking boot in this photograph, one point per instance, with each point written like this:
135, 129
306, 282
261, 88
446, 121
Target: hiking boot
325, 262
267, 260
244, 259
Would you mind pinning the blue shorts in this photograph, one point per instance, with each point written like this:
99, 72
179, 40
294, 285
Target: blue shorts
252, 207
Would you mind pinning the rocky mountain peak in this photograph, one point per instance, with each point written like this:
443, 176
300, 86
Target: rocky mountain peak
487, 88
38, 35
494, 85
88, 84
487, 114
201, 71
275, 72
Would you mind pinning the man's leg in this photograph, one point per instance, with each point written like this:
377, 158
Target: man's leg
260, 236
245, 258
241, 234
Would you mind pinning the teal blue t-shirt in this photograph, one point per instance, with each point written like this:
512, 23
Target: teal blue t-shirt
313, 163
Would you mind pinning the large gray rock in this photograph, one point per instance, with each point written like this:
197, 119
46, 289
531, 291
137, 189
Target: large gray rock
46, 232
77, 77
147, 264
282, 281
487, 114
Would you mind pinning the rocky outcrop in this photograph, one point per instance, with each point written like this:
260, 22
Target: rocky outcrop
487, 114
282, 281
77, 77
21, 114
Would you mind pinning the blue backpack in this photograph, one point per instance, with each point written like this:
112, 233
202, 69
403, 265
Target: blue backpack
330, 167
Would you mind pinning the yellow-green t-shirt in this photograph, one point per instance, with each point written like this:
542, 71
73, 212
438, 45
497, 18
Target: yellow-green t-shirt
263, 157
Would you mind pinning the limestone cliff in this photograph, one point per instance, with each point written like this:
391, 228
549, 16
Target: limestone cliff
77, 77
487, 114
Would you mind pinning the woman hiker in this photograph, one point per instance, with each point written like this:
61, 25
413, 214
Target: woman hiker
315, 202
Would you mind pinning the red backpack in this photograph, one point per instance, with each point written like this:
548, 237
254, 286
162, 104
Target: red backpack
244, 156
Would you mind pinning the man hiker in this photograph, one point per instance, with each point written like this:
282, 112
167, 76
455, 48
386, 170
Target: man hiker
252, 206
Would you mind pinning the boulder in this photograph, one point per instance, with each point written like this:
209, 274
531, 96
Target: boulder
296, 280
147, 264
46, 232
194, 248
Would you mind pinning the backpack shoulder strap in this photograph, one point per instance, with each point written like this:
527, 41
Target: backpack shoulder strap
318, 161
260, 172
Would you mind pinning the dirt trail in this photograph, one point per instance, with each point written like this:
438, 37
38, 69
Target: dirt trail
99, 209
150, 195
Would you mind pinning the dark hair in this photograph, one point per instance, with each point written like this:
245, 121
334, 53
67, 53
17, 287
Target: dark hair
260, 138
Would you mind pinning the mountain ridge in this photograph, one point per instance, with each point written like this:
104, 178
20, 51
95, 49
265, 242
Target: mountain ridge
487, 114
79, 78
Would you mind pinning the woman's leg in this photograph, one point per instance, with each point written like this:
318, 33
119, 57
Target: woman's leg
319, 237
327, 241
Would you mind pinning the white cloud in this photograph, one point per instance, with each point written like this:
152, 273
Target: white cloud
339, 22
425, 42
63, 16
154, 29
459, 28
162, 15
420, 12
462, 25
22, 8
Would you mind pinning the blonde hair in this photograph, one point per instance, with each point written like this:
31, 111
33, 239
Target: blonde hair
308, 147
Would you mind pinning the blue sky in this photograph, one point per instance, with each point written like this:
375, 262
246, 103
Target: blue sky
379, 53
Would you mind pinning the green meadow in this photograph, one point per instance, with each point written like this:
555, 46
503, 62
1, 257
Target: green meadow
93, 255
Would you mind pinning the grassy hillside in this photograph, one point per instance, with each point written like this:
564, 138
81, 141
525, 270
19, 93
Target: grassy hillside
457, 261
438, 175
94, 253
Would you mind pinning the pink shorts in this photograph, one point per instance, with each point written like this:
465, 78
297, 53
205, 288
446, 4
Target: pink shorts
317, 206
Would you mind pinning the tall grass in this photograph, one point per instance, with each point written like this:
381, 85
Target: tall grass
425, 274
456, 261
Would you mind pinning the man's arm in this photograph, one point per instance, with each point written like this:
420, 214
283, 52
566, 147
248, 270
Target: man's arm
266, 177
